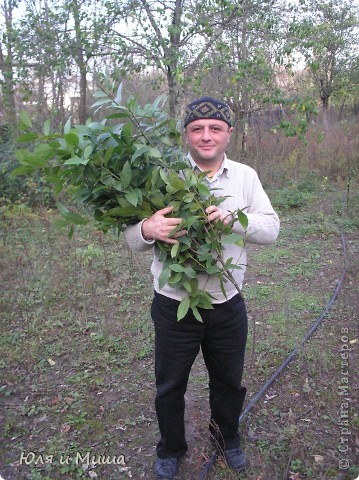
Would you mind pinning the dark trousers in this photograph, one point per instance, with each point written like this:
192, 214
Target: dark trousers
222, 337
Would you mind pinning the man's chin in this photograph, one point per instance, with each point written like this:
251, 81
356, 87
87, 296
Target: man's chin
207, 156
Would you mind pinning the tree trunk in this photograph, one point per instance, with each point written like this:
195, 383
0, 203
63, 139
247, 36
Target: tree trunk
325, 112
172, 55
41, 97
81, 63
173, 95
244, 83
6, 67
239, 145
83, 94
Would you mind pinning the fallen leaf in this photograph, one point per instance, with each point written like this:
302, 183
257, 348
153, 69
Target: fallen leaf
319, 459
306, 387
51, 362
294, 476
65, 428
270, 397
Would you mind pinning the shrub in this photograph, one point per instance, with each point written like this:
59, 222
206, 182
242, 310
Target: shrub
33, 191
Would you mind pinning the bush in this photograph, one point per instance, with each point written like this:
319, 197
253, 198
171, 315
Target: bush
32, 191
294, 194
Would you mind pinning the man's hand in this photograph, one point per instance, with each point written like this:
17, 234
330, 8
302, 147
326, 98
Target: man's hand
158, 227
215, 213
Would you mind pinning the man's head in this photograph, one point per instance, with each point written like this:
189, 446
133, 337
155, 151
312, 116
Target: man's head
207, 107
208, 130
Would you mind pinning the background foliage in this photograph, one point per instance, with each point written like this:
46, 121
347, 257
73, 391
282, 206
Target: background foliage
288, 71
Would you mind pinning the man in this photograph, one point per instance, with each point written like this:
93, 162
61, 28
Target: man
222, 335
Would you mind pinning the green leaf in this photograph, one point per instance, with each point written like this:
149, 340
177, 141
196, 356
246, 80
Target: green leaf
192, 287
137, 213
72, 139
154, 152
26, 137
179, 165
46, 127
190, 272
232, 238
176, 280
100, 94
213, 270
189, 197
44, 151
101, 102
76, 161
183, 308
242, 218
87, 152
175, 181
205, 300
163, 278
140, 151
118, 97
25, 119
126, 175
203, 190
22, 170
177, 268
132, 198
67, 126
124, 114
71, 231
71, 217
223, 290
174, 250
27, 158
196, 314
190, 221
157, 198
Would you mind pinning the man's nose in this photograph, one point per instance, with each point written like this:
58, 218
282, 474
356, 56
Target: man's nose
206, 136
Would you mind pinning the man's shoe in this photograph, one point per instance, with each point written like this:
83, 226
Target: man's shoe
236, 459
166, 468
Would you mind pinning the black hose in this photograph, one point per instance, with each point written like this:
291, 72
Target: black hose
304, 340
206, 468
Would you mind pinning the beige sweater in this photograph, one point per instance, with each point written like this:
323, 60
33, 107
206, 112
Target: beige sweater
241, 184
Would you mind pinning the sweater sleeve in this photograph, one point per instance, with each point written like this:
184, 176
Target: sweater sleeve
135, 240
263, 222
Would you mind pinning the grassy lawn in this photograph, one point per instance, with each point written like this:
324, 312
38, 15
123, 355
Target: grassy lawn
77, 382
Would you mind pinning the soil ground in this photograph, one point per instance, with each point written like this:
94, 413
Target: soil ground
77, 383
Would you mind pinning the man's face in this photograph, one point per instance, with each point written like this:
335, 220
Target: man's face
207, 140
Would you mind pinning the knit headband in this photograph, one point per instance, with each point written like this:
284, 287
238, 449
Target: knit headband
207, 107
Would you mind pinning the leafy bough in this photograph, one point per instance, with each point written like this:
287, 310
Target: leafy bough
124, 172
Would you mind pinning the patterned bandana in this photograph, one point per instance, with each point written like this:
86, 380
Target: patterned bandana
207, 107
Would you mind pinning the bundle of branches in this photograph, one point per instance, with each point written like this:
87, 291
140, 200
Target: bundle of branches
124, 172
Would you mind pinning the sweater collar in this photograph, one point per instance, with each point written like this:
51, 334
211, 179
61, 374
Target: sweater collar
224, 168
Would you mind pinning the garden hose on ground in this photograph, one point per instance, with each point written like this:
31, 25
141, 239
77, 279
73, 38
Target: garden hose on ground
207, 467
